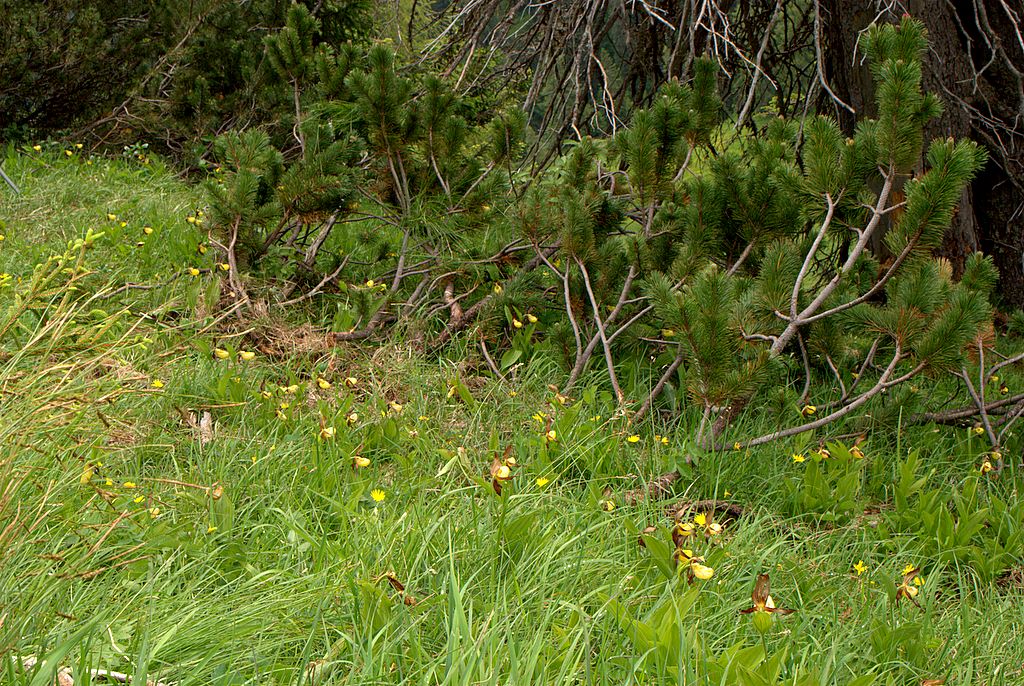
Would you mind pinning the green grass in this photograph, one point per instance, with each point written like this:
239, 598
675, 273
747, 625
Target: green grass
255, 553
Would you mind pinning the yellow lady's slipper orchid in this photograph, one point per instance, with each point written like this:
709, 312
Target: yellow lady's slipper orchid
327, 433
247, 355
193, 271
359, 462
323, 383
221, 353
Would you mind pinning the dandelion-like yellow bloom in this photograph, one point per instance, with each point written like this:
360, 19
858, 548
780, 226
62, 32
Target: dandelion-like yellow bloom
157, 383
797, 457
221, 353
378, 495
323, 383
129, 484
542, 482
978, 430
633, 439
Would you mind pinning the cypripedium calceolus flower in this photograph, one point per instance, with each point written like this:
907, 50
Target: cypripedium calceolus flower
682, 531
247, 355
323, 383
221, 353
908, 587
327, 433
808, 410
694, 565
501, 469
359, 462
764, 605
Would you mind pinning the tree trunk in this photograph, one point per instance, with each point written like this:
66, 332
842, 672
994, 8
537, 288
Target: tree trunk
974, 53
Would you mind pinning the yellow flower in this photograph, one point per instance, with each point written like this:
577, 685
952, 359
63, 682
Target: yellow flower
87, 473
377, 495
157, 383
503, 472
221, 353
985, 467
351, 381
700, 571
857, 452
108, 482
370, 283
633, 439
193, 271
700, 519
497, 289
154, 512
224, 266
148, 230
395, 407
551, 435
323, 383
542, 482
68, 153
78, 146
291, 390
539, 416
907, 569
608, 505
327, 433
423, 418
530, 318
360, 461
37, 148
511, 394
111, 217
978, 430
352, 418
139, 499
736, 445
247, 355
210, 529
516, 323
266, 395
797, 457
860, 567
808, 410
129, 484
201, 248
190, 219
668, 333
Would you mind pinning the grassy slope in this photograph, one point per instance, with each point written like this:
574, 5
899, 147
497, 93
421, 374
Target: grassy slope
283, 566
